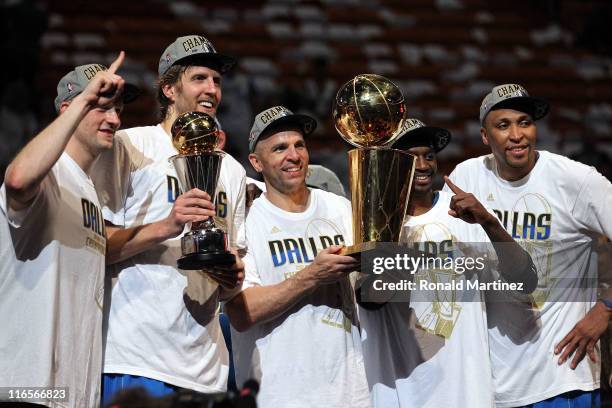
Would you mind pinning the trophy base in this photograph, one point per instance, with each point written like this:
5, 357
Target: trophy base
197, 260
204, 248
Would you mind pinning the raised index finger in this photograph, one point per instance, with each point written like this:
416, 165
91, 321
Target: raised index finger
452, 186
116, 63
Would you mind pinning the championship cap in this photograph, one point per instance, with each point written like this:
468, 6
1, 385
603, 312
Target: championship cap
513, 96
279, 116
74, 82
323, 178
416, 133
198, 48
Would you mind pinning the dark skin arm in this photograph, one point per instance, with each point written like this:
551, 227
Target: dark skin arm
514, 262
581, 340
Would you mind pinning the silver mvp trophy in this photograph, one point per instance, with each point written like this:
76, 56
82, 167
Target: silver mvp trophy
198, 164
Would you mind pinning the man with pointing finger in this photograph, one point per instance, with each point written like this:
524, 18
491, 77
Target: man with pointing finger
551, 204
53, 244
434, 350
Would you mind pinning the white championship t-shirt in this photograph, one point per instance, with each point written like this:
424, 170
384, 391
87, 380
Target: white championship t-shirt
163, 322
51, 289
433, 351
310, 356
548, 212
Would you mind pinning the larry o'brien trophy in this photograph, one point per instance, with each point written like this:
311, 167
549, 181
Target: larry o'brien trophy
369, 112
198, 164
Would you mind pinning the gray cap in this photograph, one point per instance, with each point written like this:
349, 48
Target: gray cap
325, 179
416, 133
197, 47
513, 96
277, 116
74, 82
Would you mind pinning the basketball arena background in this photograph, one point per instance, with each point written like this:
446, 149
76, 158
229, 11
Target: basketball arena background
444, 54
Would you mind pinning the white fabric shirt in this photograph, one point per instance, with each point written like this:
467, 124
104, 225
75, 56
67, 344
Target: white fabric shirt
51, 288
310, 356
163, 322
549, 212
444, 361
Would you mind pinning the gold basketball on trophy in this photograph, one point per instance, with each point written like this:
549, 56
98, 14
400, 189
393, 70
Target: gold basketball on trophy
369, 111
195, 132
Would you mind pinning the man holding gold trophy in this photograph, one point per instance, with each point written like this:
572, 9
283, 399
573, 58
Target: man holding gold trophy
297, 287
163, 327
295, 322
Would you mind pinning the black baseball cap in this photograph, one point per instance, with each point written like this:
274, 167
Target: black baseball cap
416, 133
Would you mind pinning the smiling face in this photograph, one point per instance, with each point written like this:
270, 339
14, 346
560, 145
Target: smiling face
198, 89
282, 158
511, 135
97, 129
425, 170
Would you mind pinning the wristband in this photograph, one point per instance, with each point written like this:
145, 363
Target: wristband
608, 303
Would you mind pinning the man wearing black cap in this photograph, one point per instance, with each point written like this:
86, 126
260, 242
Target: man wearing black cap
163, 331
435, 350
550, 204
295, 316
53, 244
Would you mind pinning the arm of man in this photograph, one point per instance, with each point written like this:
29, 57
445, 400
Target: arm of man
592, 211
25, 173
259, 304
123, 243
515, 264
